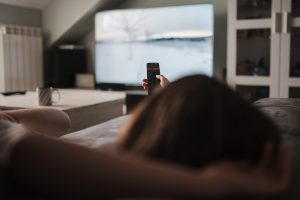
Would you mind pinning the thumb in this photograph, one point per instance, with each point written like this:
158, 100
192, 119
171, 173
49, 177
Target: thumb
163, 80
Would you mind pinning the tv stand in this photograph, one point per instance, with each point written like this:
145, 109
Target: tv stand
133, 98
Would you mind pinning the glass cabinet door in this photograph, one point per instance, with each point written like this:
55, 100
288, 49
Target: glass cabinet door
253, 93
254, 9
294, 54
254, 47
295, 8
295, 39
294, 92
290, 46
253, 52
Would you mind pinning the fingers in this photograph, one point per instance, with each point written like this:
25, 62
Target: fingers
161, 77
281, 170
145, 84
145, 80
163, 80
8, 117
266, 156
284, 165
279, 174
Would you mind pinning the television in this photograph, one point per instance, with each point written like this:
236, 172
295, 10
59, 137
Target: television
179, 38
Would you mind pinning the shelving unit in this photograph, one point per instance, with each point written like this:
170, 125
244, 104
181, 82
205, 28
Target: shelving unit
263, 41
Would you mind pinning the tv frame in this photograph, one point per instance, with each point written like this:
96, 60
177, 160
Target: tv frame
117, 86
123, 86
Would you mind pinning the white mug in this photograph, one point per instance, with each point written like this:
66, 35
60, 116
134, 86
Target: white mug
45, 96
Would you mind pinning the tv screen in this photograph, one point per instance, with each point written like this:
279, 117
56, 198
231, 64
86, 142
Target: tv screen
179, 38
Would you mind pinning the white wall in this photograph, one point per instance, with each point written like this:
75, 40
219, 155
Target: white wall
60, 15
220, 27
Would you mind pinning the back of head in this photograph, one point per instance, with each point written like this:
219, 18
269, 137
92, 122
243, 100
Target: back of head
196, 121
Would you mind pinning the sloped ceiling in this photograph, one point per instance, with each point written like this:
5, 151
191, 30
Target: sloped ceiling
65, 21
35, 4
73, 29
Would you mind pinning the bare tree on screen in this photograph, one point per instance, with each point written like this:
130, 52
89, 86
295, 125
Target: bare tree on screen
131, 24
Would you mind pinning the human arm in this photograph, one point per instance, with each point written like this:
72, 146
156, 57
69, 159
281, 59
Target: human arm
163, 82
61, 170
47, 121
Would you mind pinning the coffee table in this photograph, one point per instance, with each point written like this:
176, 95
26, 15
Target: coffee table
85, 107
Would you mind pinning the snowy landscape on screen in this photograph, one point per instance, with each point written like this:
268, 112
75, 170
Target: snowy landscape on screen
179, 38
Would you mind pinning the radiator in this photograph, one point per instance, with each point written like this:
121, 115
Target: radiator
21, 58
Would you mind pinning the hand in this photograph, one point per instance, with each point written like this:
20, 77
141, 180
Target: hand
10, 133
8, 117
163, 82
243, 179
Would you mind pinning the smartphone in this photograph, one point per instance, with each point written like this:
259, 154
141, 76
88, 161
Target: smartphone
152, 71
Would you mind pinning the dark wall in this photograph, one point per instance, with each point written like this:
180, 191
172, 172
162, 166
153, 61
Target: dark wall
20, 16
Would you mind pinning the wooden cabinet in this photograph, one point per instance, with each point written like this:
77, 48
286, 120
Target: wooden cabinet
263, 41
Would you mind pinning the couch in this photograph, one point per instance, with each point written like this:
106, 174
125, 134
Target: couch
284, 112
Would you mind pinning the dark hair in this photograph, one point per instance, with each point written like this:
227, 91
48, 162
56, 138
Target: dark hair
196, 121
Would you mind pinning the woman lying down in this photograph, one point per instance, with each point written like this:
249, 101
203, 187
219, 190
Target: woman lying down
194, 138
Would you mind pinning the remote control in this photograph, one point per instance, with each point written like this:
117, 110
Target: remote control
152, 71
